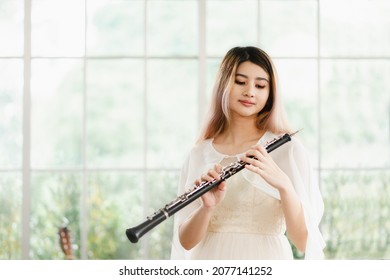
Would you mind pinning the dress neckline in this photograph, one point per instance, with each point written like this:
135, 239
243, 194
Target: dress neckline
261, 140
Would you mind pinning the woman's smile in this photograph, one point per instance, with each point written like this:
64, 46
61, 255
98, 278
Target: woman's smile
246, 103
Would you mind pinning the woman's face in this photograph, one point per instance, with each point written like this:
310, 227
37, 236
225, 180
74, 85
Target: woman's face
250, 91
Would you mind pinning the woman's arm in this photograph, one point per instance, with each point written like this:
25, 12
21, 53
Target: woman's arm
264, 165
193, 230
295, 220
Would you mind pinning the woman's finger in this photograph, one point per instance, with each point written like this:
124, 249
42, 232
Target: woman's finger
214, 174
218, 168
260, 148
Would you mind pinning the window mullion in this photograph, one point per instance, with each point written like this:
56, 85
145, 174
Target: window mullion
26, 168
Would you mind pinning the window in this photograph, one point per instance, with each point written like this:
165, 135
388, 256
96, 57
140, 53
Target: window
101, 100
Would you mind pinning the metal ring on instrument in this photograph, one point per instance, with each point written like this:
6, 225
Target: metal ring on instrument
165, 213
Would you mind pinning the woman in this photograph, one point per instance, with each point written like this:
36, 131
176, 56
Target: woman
251, 215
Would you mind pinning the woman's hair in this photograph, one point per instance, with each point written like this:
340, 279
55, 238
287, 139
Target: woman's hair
271, 117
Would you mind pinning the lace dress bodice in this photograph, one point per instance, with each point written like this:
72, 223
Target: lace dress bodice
247, 209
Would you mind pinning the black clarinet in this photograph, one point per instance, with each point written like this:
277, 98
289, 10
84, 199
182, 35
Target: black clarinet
135, 233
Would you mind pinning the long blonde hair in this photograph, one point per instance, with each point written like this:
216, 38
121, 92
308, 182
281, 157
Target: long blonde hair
272, 117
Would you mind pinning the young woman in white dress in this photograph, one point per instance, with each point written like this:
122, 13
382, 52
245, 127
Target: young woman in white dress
275, 198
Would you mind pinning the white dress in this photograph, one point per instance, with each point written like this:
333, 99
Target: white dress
249, 223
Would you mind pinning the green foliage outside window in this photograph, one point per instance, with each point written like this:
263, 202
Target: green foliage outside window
113, 114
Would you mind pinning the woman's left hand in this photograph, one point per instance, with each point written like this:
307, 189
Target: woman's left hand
262, 163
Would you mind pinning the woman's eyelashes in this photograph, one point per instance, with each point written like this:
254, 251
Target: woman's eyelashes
241, 83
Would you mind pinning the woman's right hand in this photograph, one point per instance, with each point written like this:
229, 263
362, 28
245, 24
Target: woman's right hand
215, 195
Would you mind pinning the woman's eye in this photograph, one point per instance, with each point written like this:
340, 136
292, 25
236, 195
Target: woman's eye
239, 82
260, 86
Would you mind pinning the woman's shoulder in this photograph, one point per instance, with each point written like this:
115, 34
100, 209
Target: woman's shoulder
203, 153
201, 146
199, 149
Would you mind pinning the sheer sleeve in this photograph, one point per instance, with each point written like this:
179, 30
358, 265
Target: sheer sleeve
306, 185
199, 159
177, 251
294, 160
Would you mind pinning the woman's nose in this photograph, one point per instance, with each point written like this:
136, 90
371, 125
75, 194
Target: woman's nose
249, 91
247, 94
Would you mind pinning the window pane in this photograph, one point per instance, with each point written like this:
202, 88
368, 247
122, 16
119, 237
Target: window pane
172, 111
115, 113
298, 86
11, 94
355, 113
289, 28
58, 27
55, 202
115, 27
358, 29
356, 220
173, 28
212, 71
11, 27
230, 24
56, 114
115, 203
10, 215
163, 189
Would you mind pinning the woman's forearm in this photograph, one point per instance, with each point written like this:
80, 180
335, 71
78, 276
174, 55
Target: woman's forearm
295, 219
192, 231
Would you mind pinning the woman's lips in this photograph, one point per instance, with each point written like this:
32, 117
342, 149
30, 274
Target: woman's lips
246, 103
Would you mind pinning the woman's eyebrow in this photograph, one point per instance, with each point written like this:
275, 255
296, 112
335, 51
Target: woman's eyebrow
257, 78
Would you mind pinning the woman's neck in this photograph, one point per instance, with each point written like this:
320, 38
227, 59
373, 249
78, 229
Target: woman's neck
239, 136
